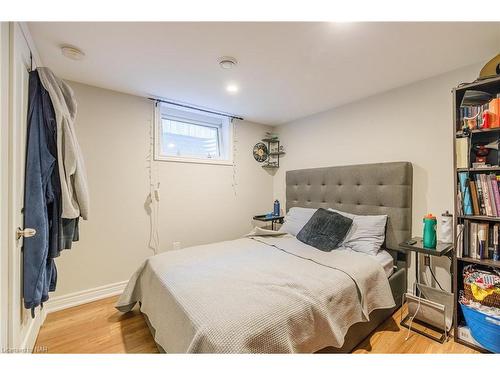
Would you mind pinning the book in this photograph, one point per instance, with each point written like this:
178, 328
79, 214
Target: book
466, 235
473, 240
462, 152
496, 245
494, 112
486, 195
459, 201
493, 240
475, 200
466, 198
460, 240
482, 237
493, 205
480, 197
496, 192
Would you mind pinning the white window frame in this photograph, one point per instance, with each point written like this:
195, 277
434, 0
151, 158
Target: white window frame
225, 127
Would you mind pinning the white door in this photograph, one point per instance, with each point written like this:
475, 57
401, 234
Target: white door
4, 177
20, 322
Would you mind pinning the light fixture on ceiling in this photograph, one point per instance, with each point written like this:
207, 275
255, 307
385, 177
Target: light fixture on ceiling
72, 53
227, 62
232, 88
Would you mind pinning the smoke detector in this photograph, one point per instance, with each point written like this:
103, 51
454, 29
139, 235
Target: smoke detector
72, 53
227, 62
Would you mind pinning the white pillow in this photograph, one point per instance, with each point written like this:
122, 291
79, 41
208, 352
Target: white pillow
367, 232
296, 218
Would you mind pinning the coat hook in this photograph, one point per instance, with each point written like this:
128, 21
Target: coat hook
31, 62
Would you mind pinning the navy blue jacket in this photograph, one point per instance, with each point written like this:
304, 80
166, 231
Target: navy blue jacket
41, 199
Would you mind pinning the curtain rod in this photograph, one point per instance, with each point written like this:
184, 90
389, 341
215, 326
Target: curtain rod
197, 109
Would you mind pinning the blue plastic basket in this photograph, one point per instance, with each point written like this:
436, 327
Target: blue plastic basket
484, 328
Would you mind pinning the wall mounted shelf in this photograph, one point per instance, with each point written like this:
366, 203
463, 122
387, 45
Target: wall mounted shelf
273, 161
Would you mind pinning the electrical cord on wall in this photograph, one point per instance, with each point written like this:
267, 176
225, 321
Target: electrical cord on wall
154, 187
434, 276
235, 149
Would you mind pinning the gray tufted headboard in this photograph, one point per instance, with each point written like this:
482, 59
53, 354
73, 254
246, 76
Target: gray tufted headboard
366, 189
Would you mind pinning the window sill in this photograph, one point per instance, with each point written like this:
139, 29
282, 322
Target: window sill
193, 160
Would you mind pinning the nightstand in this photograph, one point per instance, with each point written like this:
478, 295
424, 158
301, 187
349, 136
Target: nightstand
442, 249
271, 218
420, 296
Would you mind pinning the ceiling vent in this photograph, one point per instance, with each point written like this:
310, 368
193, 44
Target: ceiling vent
72, 53
227, 62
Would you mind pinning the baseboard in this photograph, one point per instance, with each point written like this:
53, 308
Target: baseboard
29, 340
84, 296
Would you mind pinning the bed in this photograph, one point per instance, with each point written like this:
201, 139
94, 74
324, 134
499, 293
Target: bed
277, 294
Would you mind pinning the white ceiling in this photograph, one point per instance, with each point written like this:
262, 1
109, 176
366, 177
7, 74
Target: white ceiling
286, 70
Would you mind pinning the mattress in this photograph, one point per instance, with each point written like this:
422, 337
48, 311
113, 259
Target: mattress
386, 261
383, 258
256, 296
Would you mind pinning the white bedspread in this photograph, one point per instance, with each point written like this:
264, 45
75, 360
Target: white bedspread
256, 295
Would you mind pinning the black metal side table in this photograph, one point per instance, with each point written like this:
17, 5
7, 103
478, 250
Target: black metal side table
416, 245
442, 249
272, 219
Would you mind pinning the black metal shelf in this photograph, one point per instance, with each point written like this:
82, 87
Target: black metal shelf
273, 156
480, 84
270, 166
483, 262
471, 345
480, 217
479, 170
478, 131
491, 86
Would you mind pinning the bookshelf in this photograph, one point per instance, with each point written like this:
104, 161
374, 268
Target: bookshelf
475, 136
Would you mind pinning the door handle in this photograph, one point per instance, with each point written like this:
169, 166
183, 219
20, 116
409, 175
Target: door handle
26, 232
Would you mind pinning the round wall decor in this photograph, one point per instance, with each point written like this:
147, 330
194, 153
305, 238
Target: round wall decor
260, 152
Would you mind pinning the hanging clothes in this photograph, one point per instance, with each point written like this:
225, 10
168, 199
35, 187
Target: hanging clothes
74, 189
69, 233
41, 198
43, 203
63, 231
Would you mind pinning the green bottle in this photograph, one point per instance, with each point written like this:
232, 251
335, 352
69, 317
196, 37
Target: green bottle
430, 240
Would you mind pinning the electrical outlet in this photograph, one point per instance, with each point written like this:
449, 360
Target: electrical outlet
176, 245
427, 260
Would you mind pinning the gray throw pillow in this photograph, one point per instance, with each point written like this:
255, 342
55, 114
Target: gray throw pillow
325, 230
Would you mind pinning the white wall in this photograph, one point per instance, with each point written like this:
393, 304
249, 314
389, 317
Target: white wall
4, 187
198, 204
411, 123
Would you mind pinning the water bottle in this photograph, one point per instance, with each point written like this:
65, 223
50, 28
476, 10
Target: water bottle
446, 228
430, 240
276, 209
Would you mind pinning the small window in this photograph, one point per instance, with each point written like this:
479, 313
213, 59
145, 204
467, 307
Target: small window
193, 136
182, 138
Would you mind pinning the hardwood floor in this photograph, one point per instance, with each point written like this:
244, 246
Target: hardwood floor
390, 337
95, 327
98, 328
